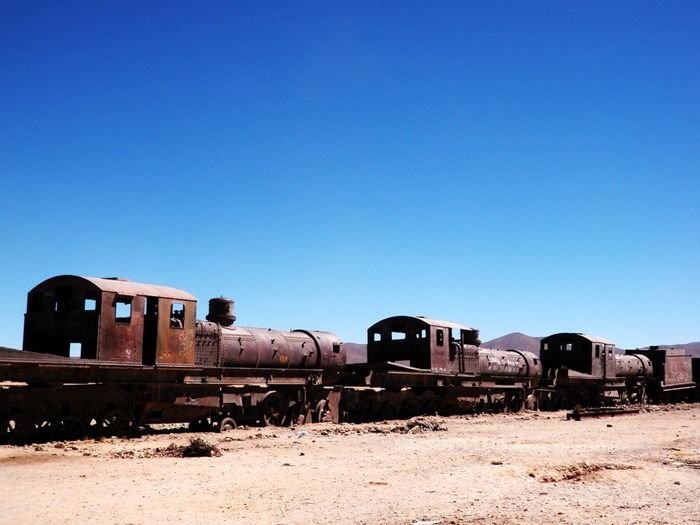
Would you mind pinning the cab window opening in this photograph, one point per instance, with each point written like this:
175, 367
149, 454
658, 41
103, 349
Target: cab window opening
177, 315
122, 310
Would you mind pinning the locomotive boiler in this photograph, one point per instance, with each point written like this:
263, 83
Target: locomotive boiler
221, 344
633, 365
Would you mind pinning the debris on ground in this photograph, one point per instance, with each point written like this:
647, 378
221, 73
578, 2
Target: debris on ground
197, 448
575, 472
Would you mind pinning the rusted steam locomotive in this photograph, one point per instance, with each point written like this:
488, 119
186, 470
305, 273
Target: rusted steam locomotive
103, 356
580, 369
422, 365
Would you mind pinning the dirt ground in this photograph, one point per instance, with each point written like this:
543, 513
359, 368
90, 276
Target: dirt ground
531, 468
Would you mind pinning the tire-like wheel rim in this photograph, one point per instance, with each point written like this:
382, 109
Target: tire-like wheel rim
226, 424
18, 429
115, 423
322, 413
273, 410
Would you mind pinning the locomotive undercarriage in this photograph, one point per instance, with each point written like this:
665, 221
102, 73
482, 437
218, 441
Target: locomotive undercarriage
365, 405
63, 412
390, 391
586, 392
94, 398
209, 401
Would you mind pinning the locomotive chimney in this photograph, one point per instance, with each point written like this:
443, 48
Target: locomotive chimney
472, 338
221, 311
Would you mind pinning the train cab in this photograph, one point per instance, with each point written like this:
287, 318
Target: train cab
110, 319
423, 343
580, 354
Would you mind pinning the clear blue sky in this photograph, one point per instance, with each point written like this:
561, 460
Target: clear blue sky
514, 166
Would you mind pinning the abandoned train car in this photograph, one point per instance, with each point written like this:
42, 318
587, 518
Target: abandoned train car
672, 374
422, 365
581, 369
105, 355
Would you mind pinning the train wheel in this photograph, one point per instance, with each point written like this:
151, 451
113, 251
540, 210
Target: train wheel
431, 404
322, 412
274, 409
18, 429
348, 411
44, 430
497, 405
201, 424
389, 411
544, 401
69, 428
410, 407
367, 408
115, 423
515, 402
450, 407
225, 424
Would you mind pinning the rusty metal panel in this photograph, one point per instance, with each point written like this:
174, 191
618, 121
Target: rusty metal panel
175, 342
678, 368
439, 346
120, 338
670, 366
470, 358
208, 344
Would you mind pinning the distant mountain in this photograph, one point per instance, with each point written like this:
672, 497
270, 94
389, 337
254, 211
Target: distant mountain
357, 353
515, 340
691, 348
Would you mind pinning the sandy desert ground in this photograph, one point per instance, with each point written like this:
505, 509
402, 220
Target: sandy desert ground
530, 468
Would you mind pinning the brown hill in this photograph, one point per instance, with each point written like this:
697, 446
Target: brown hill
515, 340
357, 353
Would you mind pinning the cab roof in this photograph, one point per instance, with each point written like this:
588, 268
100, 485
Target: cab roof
419, 319
119, 286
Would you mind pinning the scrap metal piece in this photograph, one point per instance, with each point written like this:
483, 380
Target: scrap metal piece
577, 414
